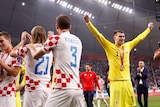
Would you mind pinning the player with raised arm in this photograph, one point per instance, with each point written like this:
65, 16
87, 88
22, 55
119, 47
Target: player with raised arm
37, 86
118, 54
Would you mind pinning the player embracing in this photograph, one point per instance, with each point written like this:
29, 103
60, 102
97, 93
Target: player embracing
67, 49
37, 86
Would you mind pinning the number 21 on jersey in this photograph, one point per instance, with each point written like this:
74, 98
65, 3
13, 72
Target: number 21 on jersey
44, 60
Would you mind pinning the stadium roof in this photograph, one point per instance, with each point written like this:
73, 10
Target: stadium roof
132, 16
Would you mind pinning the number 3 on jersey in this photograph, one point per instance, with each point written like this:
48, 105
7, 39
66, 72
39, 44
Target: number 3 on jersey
43, 60
73, 49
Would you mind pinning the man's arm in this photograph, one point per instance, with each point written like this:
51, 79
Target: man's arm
38, 54
156, 55
23, 39
145, 73
11, 70
141, 36
101, 39
21, 43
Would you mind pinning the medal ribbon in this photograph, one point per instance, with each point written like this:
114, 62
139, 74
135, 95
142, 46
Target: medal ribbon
122, 56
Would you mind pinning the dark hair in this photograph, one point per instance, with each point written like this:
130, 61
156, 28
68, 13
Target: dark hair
118, 31
63, 21
89, 64
99, 74
5, 34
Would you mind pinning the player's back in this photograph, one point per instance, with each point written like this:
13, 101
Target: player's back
38, 71
67, 55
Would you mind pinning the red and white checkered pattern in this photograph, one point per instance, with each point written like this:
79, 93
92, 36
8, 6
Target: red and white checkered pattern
34, 80
62, 81
8, 90
52, 42
67, 49
32, 85
22, 51
8, 84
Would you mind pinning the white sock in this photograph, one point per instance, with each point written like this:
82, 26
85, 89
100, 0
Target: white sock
98, 103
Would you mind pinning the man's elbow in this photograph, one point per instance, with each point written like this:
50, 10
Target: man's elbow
38, 54
13, 54
15, 74
35, 57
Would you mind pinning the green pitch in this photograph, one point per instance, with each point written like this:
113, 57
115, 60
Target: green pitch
153, 101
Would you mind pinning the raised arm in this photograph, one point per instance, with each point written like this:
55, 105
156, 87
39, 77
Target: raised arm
101, 39
24, 36
141, 36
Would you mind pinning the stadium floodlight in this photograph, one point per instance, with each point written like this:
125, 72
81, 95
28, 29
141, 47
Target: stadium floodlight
157, 1
123, 8
52, 0
23, 3
74, 8
105, 2
116, 5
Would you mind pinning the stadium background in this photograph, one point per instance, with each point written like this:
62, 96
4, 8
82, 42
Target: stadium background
20, 15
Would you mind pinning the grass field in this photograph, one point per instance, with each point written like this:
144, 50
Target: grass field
153, 101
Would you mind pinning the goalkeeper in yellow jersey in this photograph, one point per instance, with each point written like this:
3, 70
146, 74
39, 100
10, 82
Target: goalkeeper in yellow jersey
118, 53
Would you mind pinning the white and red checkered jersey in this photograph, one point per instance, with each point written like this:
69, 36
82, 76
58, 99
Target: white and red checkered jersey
101, 84
8, 84
67, 49
37, 71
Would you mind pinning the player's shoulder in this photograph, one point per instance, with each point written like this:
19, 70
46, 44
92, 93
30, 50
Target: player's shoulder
93, 72
54, 37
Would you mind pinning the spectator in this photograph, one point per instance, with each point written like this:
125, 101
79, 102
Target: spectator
142, 83
100, 95
89, 79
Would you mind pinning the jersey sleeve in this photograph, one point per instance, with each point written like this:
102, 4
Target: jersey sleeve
17, 62
22, 51
101, 39
50, 44
139, 38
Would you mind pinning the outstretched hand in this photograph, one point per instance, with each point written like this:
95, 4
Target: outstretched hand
150, 25
86, 18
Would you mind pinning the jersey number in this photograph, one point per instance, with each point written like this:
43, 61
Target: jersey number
41, 61
74, 51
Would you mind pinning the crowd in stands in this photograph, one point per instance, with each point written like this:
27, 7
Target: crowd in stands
100, 65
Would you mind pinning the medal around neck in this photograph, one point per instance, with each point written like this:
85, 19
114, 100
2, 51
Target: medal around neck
122, 67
